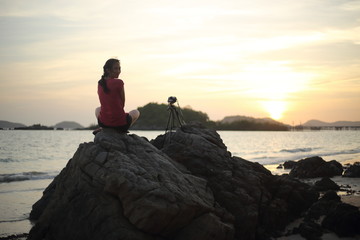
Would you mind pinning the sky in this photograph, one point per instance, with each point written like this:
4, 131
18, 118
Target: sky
289, 60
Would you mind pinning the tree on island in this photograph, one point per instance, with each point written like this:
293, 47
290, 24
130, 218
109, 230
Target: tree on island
155, 116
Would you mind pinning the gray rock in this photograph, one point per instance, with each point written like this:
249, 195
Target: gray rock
344, 220
187, 187
340, 218
353, 171
122, 187
310, 230
260, 202
314, 167
326, 184
322, 207
289, 164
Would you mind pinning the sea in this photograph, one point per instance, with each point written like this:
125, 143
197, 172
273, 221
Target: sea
29, 160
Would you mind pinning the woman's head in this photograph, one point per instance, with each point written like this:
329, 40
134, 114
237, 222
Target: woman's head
112, 68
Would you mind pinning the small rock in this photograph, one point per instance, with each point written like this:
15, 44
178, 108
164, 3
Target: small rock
326, 184
353, 171
289, 164
310, 230
330, 195
321, 208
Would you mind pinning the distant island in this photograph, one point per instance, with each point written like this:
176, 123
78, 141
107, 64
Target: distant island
68, 125
10, 125
155, 116
65, 125
317, 123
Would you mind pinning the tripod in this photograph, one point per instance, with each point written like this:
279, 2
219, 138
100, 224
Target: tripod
173, 115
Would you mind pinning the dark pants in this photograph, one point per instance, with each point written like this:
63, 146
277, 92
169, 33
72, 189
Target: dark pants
123, 128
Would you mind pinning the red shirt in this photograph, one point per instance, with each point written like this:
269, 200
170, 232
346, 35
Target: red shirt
112, 112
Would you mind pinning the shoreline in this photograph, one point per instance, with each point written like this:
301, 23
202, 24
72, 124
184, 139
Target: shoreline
20, 236
349, 187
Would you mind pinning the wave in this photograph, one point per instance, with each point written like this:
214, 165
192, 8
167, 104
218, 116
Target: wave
344, 152
24, 176
14, 220
298, 154
296, 150
23, 190
6, 160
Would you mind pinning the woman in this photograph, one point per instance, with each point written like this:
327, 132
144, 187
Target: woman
111, 93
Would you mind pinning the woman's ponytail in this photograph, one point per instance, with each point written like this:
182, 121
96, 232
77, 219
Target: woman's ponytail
102, 83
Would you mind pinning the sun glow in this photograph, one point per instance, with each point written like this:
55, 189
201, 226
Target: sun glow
276, 109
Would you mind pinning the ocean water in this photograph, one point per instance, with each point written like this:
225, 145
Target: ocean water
29, 160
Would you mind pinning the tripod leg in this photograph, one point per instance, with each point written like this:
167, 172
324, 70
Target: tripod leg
178, 118
168, 122
169, 130
173, 120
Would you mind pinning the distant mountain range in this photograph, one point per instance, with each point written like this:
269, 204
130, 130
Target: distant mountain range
64, 125
317, 123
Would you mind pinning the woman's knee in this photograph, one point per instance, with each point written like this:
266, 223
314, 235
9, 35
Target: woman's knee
135, 114
97, 112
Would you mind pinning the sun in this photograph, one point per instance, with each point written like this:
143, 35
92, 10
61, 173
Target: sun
275, 109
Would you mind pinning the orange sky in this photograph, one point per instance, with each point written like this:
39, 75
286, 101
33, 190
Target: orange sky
293, 61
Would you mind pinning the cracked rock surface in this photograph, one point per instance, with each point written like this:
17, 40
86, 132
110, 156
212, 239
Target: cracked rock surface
124, 187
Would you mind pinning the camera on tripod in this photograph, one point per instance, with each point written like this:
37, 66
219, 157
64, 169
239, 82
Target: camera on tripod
175, 116
172, 100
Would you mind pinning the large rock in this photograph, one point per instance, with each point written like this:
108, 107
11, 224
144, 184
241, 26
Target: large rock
314, 167
122, 187
187, 187
260, 202
343, 219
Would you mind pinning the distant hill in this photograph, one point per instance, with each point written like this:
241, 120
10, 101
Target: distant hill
317, 123
6, 124
250, 124
231, 119
68, 125
155, 116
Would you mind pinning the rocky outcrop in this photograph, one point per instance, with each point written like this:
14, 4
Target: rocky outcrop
334, 216
182, 186
122, 187
344, 220
260, 202
353, 171
314, 167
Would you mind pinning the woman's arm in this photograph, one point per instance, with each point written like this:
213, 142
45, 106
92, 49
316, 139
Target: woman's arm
122, 95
